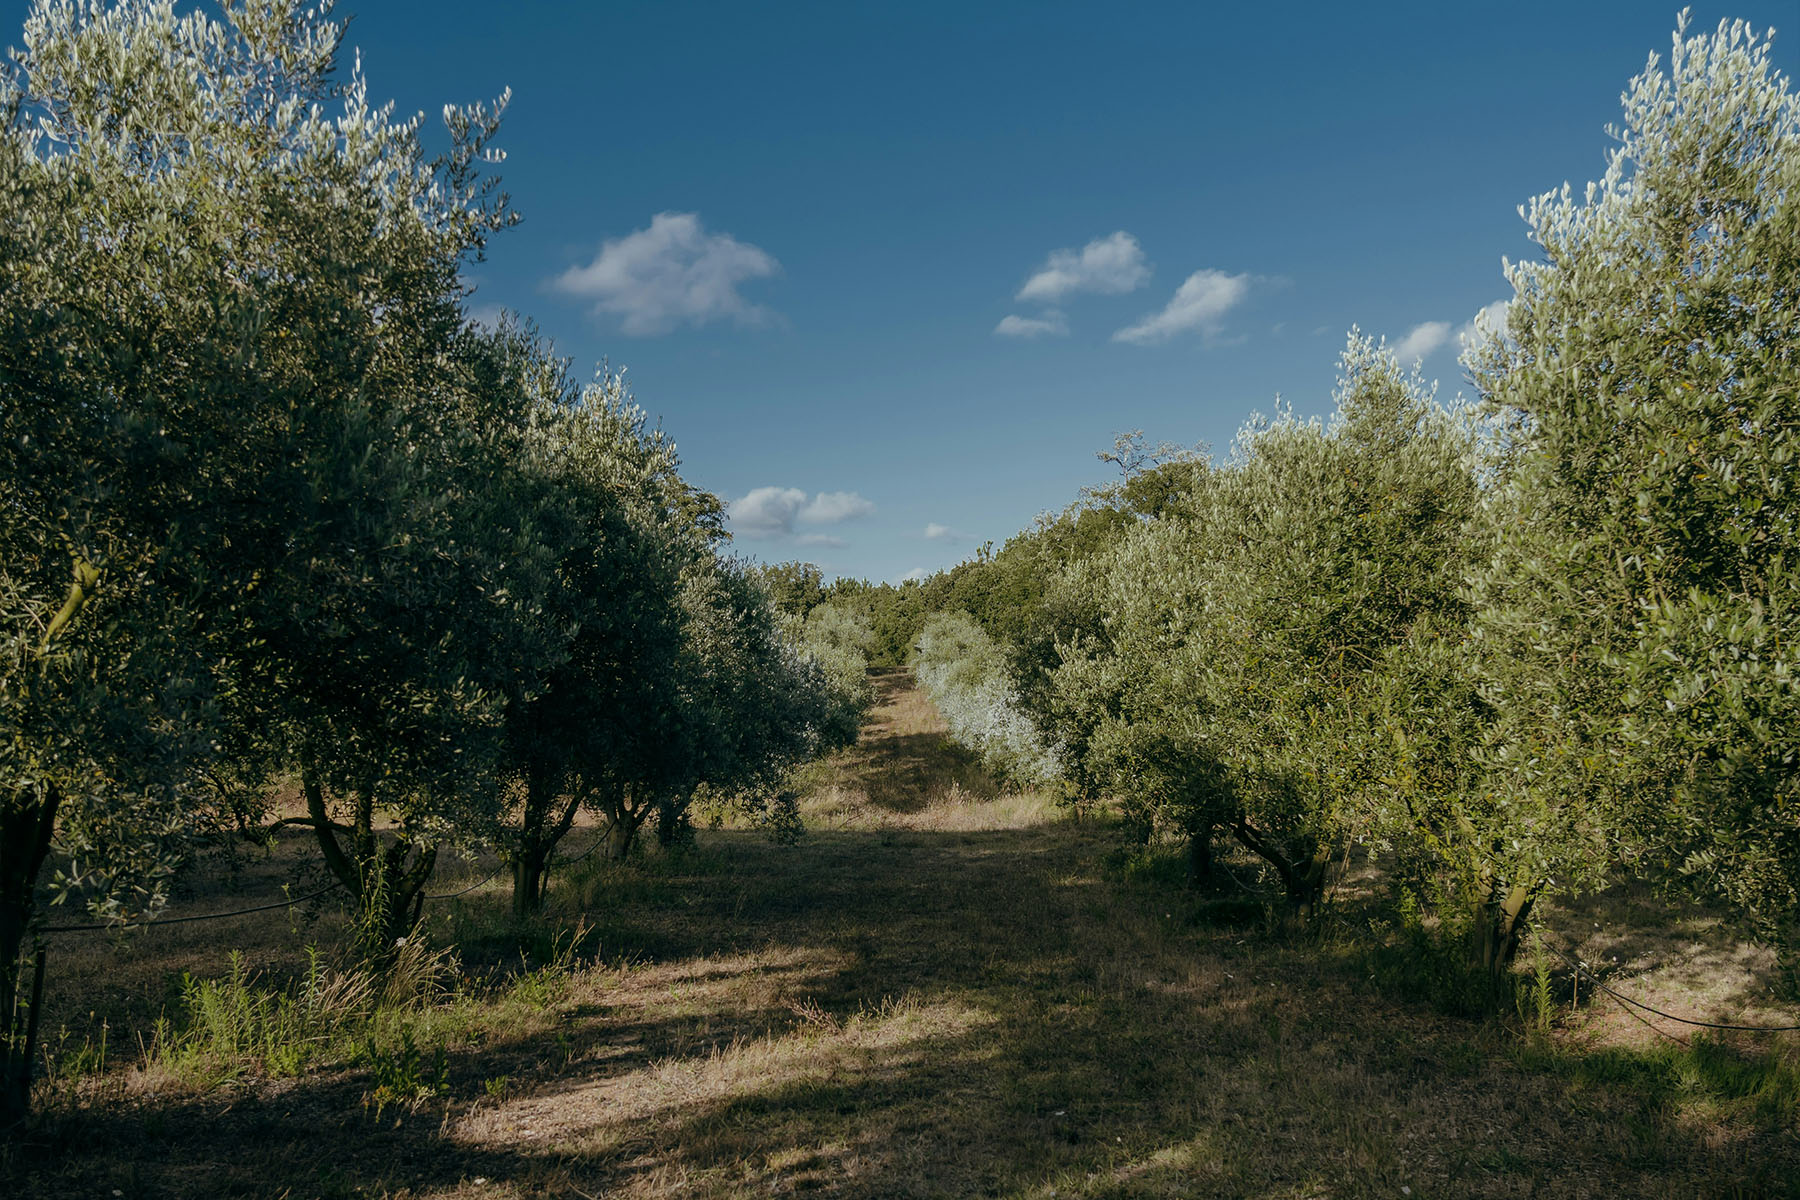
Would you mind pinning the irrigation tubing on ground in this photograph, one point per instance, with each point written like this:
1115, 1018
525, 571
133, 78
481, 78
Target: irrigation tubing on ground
1594, 979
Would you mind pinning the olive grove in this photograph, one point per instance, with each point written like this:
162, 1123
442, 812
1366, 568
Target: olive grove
272, 505
1512, 650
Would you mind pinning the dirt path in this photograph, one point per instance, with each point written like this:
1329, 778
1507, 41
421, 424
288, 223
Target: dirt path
942, 991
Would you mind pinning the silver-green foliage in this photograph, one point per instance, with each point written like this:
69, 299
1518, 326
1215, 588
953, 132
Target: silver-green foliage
229, 297
839, 640
964, 671
1246, 635
1639, 617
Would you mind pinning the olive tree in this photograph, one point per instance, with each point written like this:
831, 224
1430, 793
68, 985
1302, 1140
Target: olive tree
740, 708
625, 528
839, 639
1638, 616
1241, 649
232, 305
964, 671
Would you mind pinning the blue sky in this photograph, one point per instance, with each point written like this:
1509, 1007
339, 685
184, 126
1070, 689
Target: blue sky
892, 273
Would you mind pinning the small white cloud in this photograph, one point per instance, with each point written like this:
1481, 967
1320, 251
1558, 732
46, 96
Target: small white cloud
673, 273
943, 533
767, 511
486, 315
1420, 342
828, 508
1110, 265
1491, 319
1052, 324
771, 512
916, 575
1199, 303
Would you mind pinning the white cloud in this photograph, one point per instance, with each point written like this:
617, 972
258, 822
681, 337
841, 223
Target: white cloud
671, 274
772, 512
1199, 303
943, 533
767, 511
828, 508
486, 315
1421, 341
1109, 265
1491, 318
916, 575
1052, 323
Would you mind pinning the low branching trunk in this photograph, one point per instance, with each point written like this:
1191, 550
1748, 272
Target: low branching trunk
27, 824
1199, 858
1303, 876
625, 815
1499, 926
619, 836
27, 827
672, 825
386, 882
546, 819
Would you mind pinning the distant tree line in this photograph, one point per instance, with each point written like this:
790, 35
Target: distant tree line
271, 504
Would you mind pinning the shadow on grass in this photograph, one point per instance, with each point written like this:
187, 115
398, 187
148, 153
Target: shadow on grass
907, 1013
905, 761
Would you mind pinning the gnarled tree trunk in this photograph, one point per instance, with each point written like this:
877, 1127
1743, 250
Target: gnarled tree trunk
1499, 926
1303, 876
542, 826
27, 824
1199, 857
387, 882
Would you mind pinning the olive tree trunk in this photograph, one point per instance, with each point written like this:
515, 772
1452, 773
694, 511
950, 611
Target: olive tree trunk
27, 823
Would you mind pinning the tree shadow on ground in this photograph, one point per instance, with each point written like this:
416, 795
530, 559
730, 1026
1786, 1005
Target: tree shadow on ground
906, 1013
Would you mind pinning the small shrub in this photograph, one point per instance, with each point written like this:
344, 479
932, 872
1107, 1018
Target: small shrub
404, 1075
230, 1025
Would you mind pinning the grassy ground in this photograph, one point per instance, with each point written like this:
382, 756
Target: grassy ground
941, 991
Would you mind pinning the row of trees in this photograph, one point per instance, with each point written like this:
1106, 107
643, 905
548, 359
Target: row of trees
272, 504
1515, 647
964, 671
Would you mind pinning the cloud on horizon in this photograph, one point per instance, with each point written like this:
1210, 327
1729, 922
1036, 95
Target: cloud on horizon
1492, 317
934, 532
1428, 337
773, 512
1198, 306
674, 273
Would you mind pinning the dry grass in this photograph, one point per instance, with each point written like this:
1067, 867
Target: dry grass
943, 991
905, 773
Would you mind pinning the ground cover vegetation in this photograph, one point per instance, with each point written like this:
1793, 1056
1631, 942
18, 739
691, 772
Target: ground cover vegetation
275, 507
950, 988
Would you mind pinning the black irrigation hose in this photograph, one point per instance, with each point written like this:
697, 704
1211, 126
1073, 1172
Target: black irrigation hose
597, 843
241, 912
1594, 979
97, 926
494, 874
